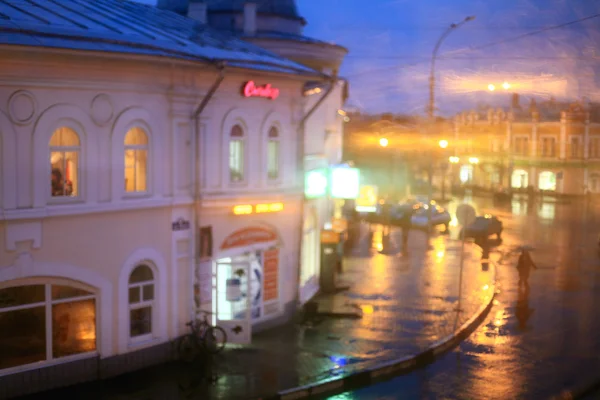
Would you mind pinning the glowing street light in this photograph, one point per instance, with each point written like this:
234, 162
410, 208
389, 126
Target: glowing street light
443, 143
474, 160
383, 142
491, 87
506, 85
454, 159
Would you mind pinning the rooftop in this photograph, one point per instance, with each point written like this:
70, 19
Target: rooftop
123, 26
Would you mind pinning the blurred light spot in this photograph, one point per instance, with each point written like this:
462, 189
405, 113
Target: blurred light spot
367, 309
491, 87
486, 287
440, 254
338, 361
506, 85
383, 142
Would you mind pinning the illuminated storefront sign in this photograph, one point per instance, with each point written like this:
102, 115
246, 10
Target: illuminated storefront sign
367, 199
248, 236
345, 183
250, 89
245, 209
315, 183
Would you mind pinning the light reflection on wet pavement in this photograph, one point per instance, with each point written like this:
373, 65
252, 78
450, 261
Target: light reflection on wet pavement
530, 347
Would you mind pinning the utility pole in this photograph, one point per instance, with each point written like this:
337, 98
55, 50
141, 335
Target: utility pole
431, 109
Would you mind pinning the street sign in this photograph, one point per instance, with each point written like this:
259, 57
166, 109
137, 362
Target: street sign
465, 214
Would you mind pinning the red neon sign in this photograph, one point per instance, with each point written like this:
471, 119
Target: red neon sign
267, 91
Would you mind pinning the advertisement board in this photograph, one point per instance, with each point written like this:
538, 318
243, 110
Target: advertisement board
345, 182
315, 183
367, 199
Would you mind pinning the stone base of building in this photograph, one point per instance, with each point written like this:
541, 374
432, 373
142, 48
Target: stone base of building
85, 370
289, 311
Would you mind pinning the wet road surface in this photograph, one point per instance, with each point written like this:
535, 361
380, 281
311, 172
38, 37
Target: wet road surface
531, 346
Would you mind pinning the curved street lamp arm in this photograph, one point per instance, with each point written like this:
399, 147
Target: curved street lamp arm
434, 58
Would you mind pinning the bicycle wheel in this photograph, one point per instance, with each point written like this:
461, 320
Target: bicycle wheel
187, 348
214, 339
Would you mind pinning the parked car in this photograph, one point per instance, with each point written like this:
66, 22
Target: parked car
439, 216
414, 200
486, 225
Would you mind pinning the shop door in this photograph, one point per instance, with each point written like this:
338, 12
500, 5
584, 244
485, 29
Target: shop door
233, 302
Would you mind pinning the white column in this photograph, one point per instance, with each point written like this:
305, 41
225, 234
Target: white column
586, 137
534, 134
563, 135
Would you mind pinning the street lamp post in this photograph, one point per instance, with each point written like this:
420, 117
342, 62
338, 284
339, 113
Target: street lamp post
431, 105
444, 145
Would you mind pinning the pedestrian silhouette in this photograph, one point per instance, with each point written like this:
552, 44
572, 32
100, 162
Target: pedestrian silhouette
406, 225
524, 266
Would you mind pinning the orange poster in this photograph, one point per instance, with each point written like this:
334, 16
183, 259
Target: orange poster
271, 274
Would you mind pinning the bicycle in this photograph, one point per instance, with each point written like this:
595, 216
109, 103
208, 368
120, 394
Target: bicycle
203, 337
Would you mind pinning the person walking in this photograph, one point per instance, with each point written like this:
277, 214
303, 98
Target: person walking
524, 266
405, 225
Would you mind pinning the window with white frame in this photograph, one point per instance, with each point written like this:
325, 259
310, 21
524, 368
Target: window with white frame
141, 302
521, 145
45, 320
576, 148
548, 147
273, 154
236, 154
136, 161
65, 150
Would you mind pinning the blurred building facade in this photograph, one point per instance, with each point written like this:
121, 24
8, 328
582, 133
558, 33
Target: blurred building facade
554, 148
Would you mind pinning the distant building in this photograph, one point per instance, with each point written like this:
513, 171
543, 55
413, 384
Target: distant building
550, 147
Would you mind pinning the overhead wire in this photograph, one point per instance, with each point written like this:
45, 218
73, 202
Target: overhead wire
483, 46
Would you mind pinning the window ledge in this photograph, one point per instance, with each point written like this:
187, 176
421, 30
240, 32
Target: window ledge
238, 184
65, 200
144, 342
274, 182
136, 195
57, 210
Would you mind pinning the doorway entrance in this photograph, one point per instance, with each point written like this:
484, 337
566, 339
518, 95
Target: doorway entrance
232, 299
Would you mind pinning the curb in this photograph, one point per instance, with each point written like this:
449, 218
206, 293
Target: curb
391, 369
582, 389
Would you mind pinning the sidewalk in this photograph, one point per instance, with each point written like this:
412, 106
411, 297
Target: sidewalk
407, 304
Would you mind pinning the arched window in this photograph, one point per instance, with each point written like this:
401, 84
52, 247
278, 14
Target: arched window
273, 154
141, 302
236, 154
136, 161
41, 321
64, 162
